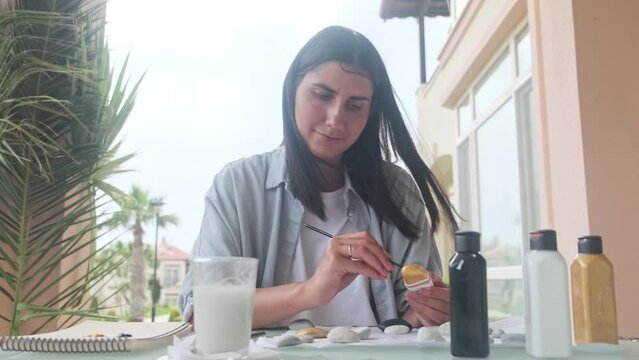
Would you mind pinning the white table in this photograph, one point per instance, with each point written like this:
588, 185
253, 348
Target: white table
626, 350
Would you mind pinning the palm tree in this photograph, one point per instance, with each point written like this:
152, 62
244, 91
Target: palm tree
61, 108
114, 293
136, 211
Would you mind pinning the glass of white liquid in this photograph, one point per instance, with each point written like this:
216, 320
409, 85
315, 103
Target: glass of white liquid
223, 289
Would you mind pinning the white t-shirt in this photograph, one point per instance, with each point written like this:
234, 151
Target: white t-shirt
351, 306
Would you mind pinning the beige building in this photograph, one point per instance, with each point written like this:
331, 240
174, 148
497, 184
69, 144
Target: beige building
532, 116
173, 264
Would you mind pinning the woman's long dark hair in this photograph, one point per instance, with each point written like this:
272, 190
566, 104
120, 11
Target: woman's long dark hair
385, 134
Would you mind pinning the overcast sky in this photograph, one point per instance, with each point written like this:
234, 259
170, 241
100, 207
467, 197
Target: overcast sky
213, 84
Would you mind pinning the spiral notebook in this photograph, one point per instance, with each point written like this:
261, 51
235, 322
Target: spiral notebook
98, 336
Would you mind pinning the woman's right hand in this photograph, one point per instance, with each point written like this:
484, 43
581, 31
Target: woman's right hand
340, 265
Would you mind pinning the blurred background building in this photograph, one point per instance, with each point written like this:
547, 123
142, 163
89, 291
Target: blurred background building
530, 121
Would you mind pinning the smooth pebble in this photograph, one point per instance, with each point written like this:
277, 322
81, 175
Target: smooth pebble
396, 330
342, 335
363, 332
300, 324
444, 329
384, 324
429, 334
287, 340
307, 339
497, 333
513, 339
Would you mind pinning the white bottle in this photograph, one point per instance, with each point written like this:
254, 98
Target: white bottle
548, 326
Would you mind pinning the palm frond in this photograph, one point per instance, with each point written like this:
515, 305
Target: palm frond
165, 220
60, 113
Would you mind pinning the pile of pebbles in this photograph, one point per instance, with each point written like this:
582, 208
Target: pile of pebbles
442, 334
338, 335
306, 332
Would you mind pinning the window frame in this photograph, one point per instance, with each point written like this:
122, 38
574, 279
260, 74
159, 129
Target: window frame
457, 12
171, 272
519, 86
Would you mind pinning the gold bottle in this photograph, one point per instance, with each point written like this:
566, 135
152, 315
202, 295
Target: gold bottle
593, 294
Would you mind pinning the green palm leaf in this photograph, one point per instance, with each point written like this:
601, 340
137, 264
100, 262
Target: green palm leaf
60, 114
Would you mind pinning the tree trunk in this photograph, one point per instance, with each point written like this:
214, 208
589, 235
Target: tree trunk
138, 276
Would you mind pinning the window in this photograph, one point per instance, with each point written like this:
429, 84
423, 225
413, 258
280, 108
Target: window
171, 275
524, 56
171, 299
494, 84
465, 117
498, 188
527, 134
497, 169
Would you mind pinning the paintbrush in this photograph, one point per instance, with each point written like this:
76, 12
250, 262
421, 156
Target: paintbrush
331, 236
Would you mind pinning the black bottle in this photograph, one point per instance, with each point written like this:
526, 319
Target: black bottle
468, 299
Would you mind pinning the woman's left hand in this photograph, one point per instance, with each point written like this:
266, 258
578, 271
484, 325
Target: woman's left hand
429, 306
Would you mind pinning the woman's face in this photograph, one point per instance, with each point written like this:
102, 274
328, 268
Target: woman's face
332, 103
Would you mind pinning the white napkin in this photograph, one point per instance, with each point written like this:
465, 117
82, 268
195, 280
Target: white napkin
182, 349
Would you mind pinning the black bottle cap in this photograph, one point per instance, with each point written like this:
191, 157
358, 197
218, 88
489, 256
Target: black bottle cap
543, 240
467, 241
590, 244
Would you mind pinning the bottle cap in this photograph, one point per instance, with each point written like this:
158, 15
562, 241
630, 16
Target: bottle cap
543, 240
590, 244
467, 241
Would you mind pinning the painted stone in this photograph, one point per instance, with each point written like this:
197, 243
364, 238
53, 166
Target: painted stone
416, 277
314, 332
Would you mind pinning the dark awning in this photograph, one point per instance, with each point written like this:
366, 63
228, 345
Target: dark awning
413, 8
417, 9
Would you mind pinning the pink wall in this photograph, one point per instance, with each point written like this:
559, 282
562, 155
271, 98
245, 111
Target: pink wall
608, 68
586, 81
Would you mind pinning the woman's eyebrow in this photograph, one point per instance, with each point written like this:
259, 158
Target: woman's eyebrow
325, 87
333, 91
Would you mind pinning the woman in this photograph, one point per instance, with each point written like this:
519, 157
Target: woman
341, 125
